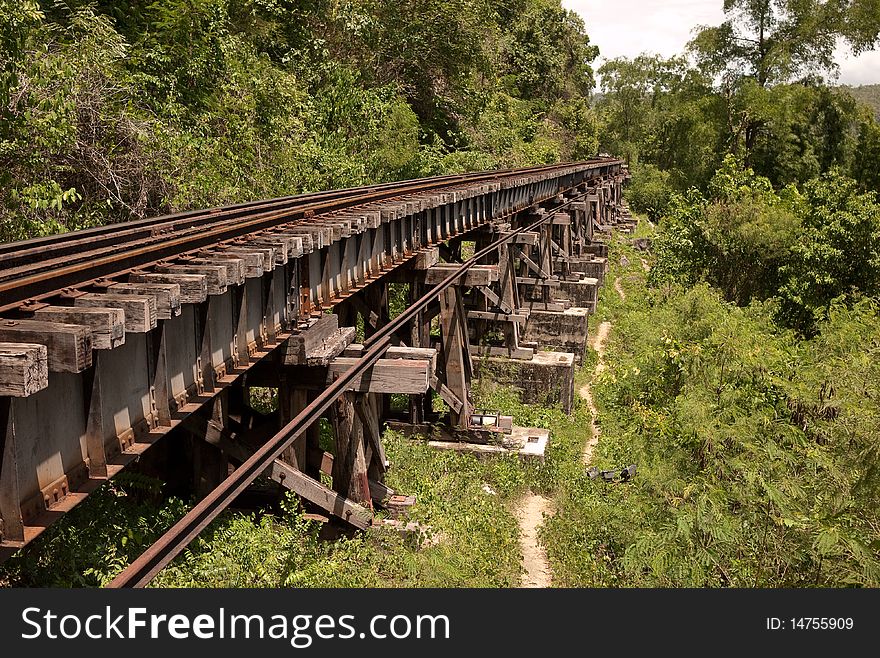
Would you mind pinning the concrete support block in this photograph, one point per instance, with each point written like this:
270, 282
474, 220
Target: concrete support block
599, 249
594, 268
582, 293
547, 378
566, 331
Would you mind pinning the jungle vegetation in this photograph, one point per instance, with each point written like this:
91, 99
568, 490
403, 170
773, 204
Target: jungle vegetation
743, 368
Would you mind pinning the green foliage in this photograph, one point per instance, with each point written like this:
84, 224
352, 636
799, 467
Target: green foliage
803, 250
868, 95
749, 473
837, 252
471, 541
95, 541
769, 41
121, 109
650, 191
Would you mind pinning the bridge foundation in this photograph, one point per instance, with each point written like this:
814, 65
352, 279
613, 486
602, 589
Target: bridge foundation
565, 331
546, 379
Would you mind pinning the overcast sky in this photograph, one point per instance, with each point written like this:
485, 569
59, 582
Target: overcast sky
626, 28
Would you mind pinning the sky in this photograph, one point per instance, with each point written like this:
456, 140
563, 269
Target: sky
626, 28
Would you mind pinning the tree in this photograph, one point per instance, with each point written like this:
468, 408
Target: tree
770, 41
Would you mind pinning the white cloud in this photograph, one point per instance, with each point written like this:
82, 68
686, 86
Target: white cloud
626, 28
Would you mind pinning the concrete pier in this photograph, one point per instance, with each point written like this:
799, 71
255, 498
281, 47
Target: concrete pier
547, 378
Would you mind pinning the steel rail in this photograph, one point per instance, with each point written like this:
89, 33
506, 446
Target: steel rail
38, 245
144, 568
42, 285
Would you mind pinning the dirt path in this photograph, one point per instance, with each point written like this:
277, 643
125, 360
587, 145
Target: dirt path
619, 288
586, 392
531, 510
530, 513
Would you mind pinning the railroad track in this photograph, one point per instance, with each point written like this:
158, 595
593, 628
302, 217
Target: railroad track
205, 296
39, 269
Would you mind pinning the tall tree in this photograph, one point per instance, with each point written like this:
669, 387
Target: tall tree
770, 41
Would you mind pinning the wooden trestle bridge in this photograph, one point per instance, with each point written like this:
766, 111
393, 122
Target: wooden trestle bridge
140, 342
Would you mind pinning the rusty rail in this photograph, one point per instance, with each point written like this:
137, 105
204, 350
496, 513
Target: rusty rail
144, 568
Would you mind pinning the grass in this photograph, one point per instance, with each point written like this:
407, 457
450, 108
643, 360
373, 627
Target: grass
466, 503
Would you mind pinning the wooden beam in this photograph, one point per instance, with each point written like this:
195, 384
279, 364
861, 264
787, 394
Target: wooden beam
318, 344
140, 312
427, 258
549, 283
252, 261
69, 345
107, 324
478, 275
267, 254
315, 492
215, 275
193, 287
167, 296
235, 270
497, 317
385, 376
494, 299
24, 369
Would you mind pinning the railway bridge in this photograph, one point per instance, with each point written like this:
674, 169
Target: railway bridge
145, 341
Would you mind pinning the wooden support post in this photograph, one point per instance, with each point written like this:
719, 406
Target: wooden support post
160, 387
291, 401
205, 378
419, 337
209, 463
240, 355
455, 358
349, 463
94, 412
11, 526
367, 408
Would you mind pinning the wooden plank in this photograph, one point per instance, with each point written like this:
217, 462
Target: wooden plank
252, 260
266, 253
282, 245
532, 265
215, 275
193, 287
167, 296
356, 350
24, 369
561, 219
489, 294
549, 283
478, 275
234, 267
497, 317
317, 493
526, 237
107, 324
427, 258
306, 341
313, 239
69, 345
330, 348
385, 376
294, 243
139, 310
